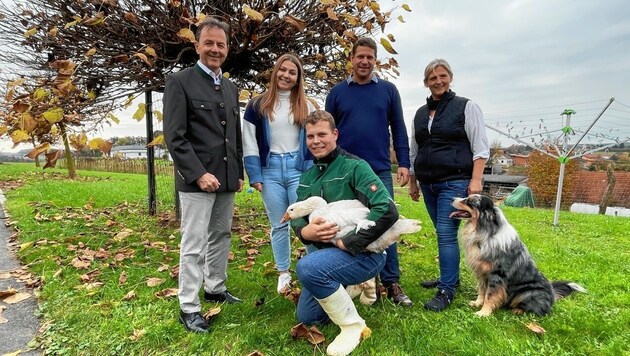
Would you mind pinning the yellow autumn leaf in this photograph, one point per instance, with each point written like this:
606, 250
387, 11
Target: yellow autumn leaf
327, 2
53, 32
26, 245
401, 19
388, 47
352, 20
158, 115
157, 141
253, 14
113, 118
38, 150
17, 82
331, 14
150, 51
187, 35
128, 102
144, 58
96, 20
375, 6
139, 114
226, 75
391, 37
30, 32
95, 143
40, 93
244, 95
72, 23
90, 52
320, 74
406, 7
201, 16
153, 281
53, 115
91, 94
27, 123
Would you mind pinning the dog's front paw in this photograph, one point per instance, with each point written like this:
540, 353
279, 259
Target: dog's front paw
483, 313
475, 303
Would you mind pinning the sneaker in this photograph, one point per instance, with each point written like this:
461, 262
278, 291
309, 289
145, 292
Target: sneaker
284, 282
398, 296
441, 300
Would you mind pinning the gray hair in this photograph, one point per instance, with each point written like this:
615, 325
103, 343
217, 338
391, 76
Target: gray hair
439, 62
211, 22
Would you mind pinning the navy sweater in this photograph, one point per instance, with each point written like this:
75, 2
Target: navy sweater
363, 114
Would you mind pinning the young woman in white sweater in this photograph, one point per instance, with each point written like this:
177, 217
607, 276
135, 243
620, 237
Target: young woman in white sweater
275, 152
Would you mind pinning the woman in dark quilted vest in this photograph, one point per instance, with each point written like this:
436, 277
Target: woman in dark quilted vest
449, 149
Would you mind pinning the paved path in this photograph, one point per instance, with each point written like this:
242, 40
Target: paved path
21, 324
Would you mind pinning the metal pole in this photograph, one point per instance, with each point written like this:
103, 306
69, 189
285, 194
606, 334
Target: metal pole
556, 214
148, 98
563, 160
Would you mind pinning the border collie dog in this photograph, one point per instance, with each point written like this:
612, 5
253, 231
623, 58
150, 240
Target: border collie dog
505, 272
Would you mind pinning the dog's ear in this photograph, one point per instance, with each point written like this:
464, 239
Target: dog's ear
486, 203
488, 214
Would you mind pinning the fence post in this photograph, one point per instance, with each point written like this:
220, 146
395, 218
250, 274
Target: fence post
148, 98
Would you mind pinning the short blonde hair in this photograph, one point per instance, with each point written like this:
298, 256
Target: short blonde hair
438, 62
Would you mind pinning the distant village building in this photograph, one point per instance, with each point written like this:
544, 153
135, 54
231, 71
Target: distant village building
520, 160
137, 152
502, 159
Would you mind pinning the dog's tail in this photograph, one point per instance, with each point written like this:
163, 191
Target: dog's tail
565, 288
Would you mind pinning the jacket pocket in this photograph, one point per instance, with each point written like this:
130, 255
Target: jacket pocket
201, 105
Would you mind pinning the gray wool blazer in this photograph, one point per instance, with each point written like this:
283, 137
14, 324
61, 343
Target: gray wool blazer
202, 129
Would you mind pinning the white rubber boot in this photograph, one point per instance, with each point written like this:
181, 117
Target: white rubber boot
341, 310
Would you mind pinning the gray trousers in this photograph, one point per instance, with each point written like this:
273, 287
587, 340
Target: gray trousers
206, 224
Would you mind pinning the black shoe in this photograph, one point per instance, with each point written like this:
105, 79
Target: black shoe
225, 296
434, 283
193, 322
397, 295
441, 300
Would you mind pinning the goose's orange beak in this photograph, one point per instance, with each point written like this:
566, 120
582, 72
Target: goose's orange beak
285, 218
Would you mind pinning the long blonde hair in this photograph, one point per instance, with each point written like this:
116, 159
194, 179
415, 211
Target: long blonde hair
298, 102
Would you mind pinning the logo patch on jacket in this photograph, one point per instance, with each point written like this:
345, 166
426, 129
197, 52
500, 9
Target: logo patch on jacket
373, 187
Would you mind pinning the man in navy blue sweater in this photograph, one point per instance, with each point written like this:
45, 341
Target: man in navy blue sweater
364, 108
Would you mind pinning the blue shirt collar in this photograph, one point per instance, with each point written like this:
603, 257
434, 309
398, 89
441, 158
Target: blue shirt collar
217, 78
374, 79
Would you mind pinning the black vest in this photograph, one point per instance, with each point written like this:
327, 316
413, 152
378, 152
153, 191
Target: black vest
444, 153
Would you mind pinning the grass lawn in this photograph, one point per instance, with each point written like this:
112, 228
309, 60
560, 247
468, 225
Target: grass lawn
95, 251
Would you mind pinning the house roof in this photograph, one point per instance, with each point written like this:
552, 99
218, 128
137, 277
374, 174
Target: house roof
590, 188
503, 178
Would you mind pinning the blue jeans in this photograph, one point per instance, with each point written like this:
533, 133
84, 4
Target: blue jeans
281, 178
438, 198
391, 272
321, 272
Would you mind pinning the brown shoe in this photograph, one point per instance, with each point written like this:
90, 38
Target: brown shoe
398, 296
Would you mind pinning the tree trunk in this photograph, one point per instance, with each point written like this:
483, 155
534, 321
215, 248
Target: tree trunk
72, 172
608, 193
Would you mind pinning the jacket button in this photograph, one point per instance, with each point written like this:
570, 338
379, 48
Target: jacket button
225, 159
217, 88
221, 105
226, 140
203, 106
223, 123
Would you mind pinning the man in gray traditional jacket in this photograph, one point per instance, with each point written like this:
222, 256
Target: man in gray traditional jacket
202, 130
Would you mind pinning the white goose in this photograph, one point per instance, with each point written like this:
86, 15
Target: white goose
350, 215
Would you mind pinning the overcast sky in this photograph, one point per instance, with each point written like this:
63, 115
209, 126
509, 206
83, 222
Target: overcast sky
522, 61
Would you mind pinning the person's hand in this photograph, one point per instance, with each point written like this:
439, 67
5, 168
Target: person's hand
414, 192
319, 230
402, 176
258, 186
241, 183
475, 187
209, 183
